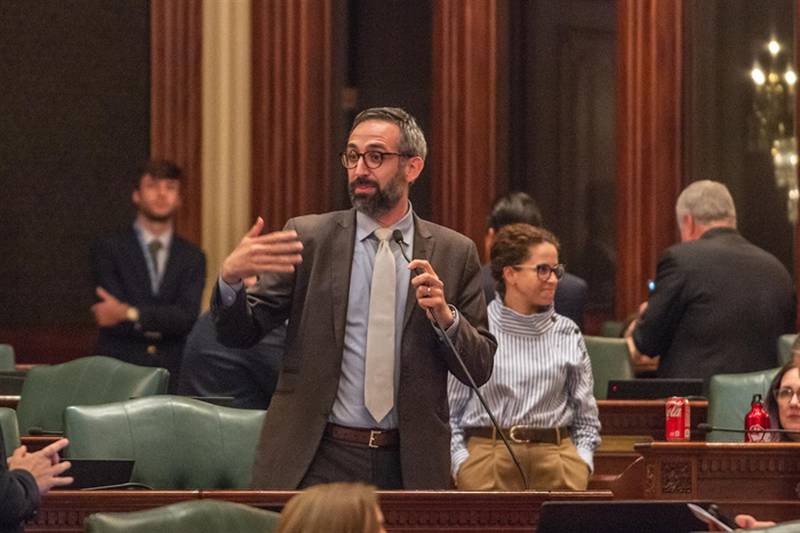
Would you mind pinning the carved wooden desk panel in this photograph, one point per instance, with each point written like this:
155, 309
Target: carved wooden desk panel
644, 417
721, 470
405, 511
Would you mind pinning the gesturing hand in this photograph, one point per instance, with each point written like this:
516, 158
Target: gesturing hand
278, 251
44, 465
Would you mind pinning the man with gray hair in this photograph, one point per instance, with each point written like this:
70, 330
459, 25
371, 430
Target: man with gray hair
720, 303
362, 394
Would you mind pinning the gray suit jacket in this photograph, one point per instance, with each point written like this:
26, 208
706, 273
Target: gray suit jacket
314, 299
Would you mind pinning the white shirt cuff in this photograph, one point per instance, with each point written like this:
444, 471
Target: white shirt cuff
588, 458
228, 292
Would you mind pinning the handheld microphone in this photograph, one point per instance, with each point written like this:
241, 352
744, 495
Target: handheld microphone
397, 236
707, 428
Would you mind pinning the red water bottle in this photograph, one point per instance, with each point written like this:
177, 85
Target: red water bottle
756, 421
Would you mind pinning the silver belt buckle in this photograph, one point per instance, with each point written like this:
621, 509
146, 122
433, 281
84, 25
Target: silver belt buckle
512, 436
373, 433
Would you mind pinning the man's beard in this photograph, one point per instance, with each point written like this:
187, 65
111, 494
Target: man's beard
156, 217
382, 200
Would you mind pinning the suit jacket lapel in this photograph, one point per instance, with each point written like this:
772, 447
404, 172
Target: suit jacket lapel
134, 252
342, 244
423, 249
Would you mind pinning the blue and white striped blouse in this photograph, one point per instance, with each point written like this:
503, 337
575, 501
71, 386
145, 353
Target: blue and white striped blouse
542, 377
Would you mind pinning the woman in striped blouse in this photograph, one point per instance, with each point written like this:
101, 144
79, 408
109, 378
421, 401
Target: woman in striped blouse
541, 386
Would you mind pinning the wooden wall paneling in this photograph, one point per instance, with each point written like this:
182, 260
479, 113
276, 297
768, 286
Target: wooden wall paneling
463, 137
293, 155
176, 100
649, 128
796, 270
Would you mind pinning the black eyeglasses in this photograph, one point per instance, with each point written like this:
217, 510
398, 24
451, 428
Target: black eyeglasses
372, 158
544, 270
785, 394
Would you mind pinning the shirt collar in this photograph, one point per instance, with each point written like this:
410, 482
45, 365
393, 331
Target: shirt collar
146, 237
365, 225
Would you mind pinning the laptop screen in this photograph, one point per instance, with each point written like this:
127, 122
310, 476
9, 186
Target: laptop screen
653, 389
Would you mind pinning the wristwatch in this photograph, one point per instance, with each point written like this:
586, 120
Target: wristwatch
132, 314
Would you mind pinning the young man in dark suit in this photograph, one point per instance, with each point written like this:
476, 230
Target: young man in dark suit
332, 275
148, 280
720, 303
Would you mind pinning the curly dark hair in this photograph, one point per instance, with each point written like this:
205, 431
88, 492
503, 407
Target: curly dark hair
512, 246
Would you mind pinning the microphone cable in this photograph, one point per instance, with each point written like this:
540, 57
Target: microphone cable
397, 236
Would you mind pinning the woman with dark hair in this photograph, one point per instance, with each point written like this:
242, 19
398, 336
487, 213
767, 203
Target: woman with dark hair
540, 390
783, 403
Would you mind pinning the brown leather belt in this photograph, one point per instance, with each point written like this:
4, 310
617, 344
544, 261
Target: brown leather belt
370, 438
522, 434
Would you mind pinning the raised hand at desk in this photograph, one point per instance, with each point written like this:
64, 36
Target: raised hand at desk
45, 465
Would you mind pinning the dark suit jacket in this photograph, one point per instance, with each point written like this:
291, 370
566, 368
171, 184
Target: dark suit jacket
315, 301
719, 305
19, 495
119, 266
570, 298
247, 375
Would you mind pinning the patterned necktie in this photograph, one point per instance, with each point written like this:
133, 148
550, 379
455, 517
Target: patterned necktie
379, 366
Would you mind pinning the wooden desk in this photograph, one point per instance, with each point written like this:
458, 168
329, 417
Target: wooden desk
405, 511
721, 470
644, 417
10, 401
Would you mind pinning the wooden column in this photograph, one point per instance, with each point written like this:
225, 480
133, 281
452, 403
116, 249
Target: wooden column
649, 173
293, 156
463, 149
175, 99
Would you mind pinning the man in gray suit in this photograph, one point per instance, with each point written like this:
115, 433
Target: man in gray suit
322, 425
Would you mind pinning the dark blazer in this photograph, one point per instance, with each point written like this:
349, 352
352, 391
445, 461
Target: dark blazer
315, 301
719, 305
119, 266
570, 298
247, 375
19, 495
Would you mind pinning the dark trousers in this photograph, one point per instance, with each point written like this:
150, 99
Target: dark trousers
337, 461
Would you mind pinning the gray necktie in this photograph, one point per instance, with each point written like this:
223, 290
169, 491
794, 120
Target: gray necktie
379, 371
154, 247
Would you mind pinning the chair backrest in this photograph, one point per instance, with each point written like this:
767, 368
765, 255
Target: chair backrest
610, 360
785, 343
177, 442
729, 397
87, 381
9, 429
7, 359
194, 516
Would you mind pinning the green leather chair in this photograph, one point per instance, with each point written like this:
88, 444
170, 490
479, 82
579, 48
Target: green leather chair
87, 381
9, 429
785, 343
194, 516
729, 397
610, 360
177, 442
7, 358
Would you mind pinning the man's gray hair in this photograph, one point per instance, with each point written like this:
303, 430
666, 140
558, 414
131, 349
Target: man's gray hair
706, 202
412, 140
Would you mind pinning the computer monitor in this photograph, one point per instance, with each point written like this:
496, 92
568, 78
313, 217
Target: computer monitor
653, 389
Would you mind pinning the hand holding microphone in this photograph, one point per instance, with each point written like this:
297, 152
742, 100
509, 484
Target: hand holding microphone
429, 289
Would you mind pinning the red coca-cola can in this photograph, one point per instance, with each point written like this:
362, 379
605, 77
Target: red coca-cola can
678, 417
